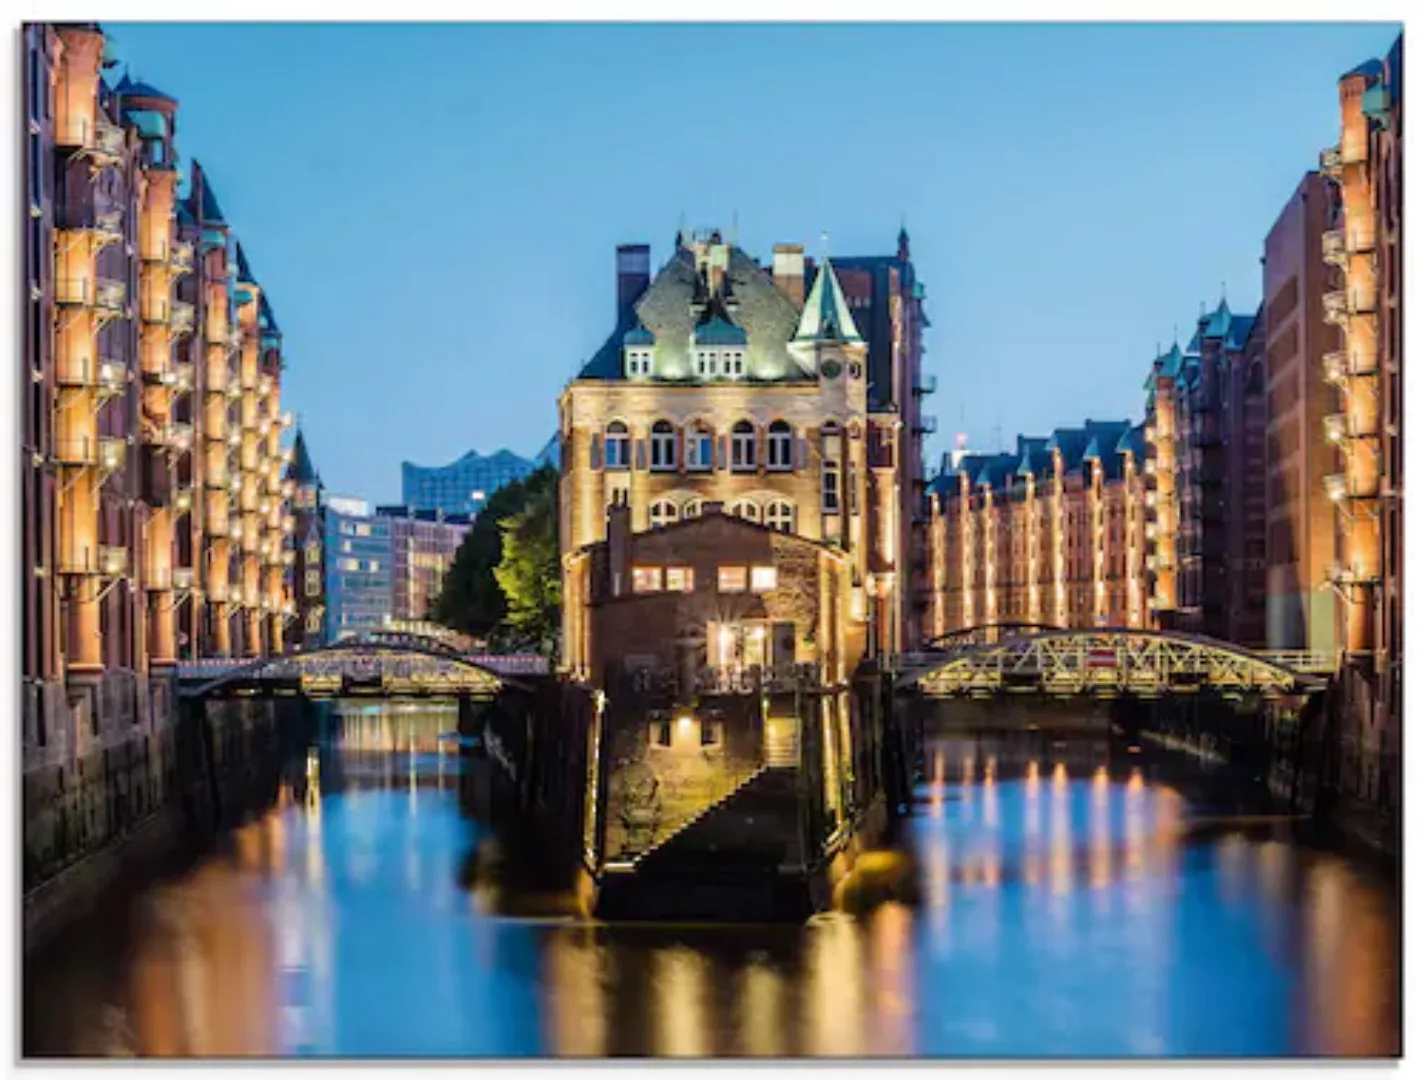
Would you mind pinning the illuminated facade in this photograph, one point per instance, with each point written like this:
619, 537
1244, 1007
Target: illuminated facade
423, 545
154, 515
1361, 245
1206, 427
724, 383
1054, 533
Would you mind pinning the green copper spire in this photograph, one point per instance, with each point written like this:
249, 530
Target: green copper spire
826, 316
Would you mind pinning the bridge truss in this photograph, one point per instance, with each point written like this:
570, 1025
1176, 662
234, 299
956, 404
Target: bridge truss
1107, 663
375, 665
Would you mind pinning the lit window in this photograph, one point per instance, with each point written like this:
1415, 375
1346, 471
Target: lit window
314, 621
746, 510
314, 583
781, 515
744, 446
647, 579
662, 513
764, 578
363, 530
616, 445
779, 445
732, 579
692, 508
680, 579
345, 546
663, 447
348, 564
699, 443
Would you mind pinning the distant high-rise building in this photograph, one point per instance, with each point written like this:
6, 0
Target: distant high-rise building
359, 559
423, 545
463, 486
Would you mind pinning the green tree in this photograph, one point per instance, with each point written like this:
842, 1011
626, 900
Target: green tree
529, 572
471, 600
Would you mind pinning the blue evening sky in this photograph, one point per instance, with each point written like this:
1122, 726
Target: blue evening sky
433, 209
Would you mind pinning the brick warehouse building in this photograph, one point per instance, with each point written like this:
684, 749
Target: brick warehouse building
1052, 533
731, 383
155, 517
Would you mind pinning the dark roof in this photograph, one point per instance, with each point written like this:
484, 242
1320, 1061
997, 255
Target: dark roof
301, 470
209, 211
668, 308
265, 318
244, 272
639, 335
1239, 331
1034, 457
994, 470
128, 87
1219, 323
1134, 441
1371, 69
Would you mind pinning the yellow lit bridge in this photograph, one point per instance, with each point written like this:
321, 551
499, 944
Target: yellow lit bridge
984, 662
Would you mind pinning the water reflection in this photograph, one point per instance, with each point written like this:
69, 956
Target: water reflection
1065, 908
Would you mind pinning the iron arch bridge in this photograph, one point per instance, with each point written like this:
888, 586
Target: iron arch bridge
378, 664
1106, 662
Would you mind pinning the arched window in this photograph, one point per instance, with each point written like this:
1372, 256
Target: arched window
692, 508
779, 445
744, 446
698, 442
781, 515
746, 510
662, 513
663, 447
616, 445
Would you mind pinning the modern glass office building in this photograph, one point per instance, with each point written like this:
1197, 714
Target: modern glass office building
358, 568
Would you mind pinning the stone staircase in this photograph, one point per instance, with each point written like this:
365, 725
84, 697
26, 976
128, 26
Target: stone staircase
737, 861
780, 748
712, 807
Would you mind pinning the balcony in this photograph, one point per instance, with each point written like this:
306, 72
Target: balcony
178, 436
1348, 576
100, 294
101, 140
1333, 247
183, 499
1341, 365
183, 578
926, 425
103, 452
1339, 428
180, 260
924, 385
106, 227
106, 377
183, 318
1331, 161
183, 377
92, 560
1335, 306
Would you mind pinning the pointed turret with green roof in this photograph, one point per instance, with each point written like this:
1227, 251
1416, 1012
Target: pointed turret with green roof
826, 318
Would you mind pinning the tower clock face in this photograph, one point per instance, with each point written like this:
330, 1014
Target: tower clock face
830, 369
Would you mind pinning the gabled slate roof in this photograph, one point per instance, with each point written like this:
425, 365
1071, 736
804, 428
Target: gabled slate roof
128, 87
1134, 441
1219, 323
301, 470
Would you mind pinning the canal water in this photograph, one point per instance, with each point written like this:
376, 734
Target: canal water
1042, 900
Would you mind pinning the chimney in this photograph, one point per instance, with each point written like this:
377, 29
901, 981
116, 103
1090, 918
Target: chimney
620, 529
633, 275
789, 272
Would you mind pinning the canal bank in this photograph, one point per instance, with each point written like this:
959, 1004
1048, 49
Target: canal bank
109, 806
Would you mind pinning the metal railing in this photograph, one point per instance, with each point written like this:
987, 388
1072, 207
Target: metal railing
183, 317
924, 384
103, 451
1342, 364
106, 376
103, 294
180, 260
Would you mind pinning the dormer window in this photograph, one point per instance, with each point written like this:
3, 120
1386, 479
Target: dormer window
732, 363
638, 363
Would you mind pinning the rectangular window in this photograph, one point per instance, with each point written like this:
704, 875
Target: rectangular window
680, 579
732, 579
647, 579
363, 530
348, 564
830, 488
764, 578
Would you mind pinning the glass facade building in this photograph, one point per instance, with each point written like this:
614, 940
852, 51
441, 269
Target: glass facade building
462, 486
358, 569
423, 545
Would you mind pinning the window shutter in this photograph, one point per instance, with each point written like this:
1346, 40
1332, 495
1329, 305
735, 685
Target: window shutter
596, 448
641, 454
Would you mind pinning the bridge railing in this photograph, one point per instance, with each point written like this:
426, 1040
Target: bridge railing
1304, 661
